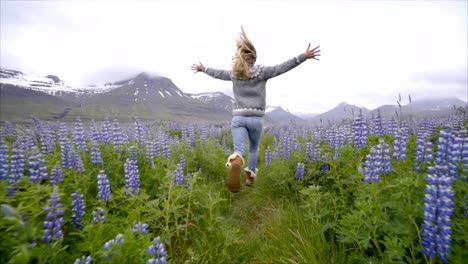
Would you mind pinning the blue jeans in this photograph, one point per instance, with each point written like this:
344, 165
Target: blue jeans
251, 126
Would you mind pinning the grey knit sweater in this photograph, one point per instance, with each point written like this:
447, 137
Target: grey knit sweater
250, 95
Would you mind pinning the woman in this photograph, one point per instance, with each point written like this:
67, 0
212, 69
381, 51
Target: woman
249, 82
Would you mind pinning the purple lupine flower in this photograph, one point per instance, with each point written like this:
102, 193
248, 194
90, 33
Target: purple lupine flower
165, 146
150, 152
47, 143
80, 138
428, 151
309, 148
192, 136
157, 146
386, 159
37, 166
75, 161
56, 174
16, 169
203, 134
300, 171
99, 215
132, 174
78, 209
286, 147
104, 190
4, 163
65, 147
96, 157
324, 168
139, 131
400, 144
420, 146
185, 135
107, 131
182, 162
117, 135
268, 155
360, 131
95, 135
187, 180
178, 175
158, 252
141, 228
119, 239
429, 232
84, 260
439, 203
9, 129
377, 125
54, 220
373, 164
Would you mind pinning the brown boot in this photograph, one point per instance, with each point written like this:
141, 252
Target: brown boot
250, 176
235, 163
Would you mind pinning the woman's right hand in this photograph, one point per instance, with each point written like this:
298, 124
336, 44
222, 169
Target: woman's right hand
198, 68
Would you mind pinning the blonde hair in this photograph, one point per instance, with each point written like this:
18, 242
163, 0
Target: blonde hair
245, 50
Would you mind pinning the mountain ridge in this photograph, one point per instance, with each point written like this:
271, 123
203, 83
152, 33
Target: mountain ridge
154, 95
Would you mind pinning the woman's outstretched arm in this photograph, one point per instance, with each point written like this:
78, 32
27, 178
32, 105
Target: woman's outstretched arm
273, 71
215, 73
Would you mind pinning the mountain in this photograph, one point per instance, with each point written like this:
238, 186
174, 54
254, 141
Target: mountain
276, 114
342, 111
145, 95
149, 96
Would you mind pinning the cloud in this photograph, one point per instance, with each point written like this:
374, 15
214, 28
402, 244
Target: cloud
441, 77
368, 56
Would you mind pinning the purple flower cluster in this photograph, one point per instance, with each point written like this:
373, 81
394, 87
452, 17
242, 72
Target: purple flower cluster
56, 174
80, 138
139, 131
286, 140
96, 157
106, 133
117, 135
300, 171
54, 220
119, 239
84, 260
386, 159
37, 166
377, 124
178, 175
360, 131
373, 165
132, 174
95, 135
78, 208
99, 215
158, 252
141, 228
104, 190
268, 155
16, 168
400, 144
438, 204
4, 164
150, 152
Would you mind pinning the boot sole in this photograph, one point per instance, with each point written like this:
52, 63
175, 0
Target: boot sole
234, 177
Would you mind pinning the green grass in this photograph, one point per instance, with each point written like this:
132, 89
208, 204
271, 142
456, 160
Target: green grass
330, 218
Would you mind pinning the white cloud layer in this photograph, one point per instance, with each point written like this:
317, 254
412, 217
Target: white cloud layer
371, 50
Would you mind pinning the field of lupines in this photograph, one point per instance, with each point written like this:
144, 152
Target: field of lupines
361, 191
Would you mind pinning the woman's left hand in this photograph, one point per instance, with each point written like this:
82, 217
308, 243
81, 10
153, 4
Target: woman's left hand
312, 53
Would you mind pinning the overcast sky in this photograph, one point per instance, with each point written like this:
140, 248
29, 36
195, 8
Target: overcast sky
371, 50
